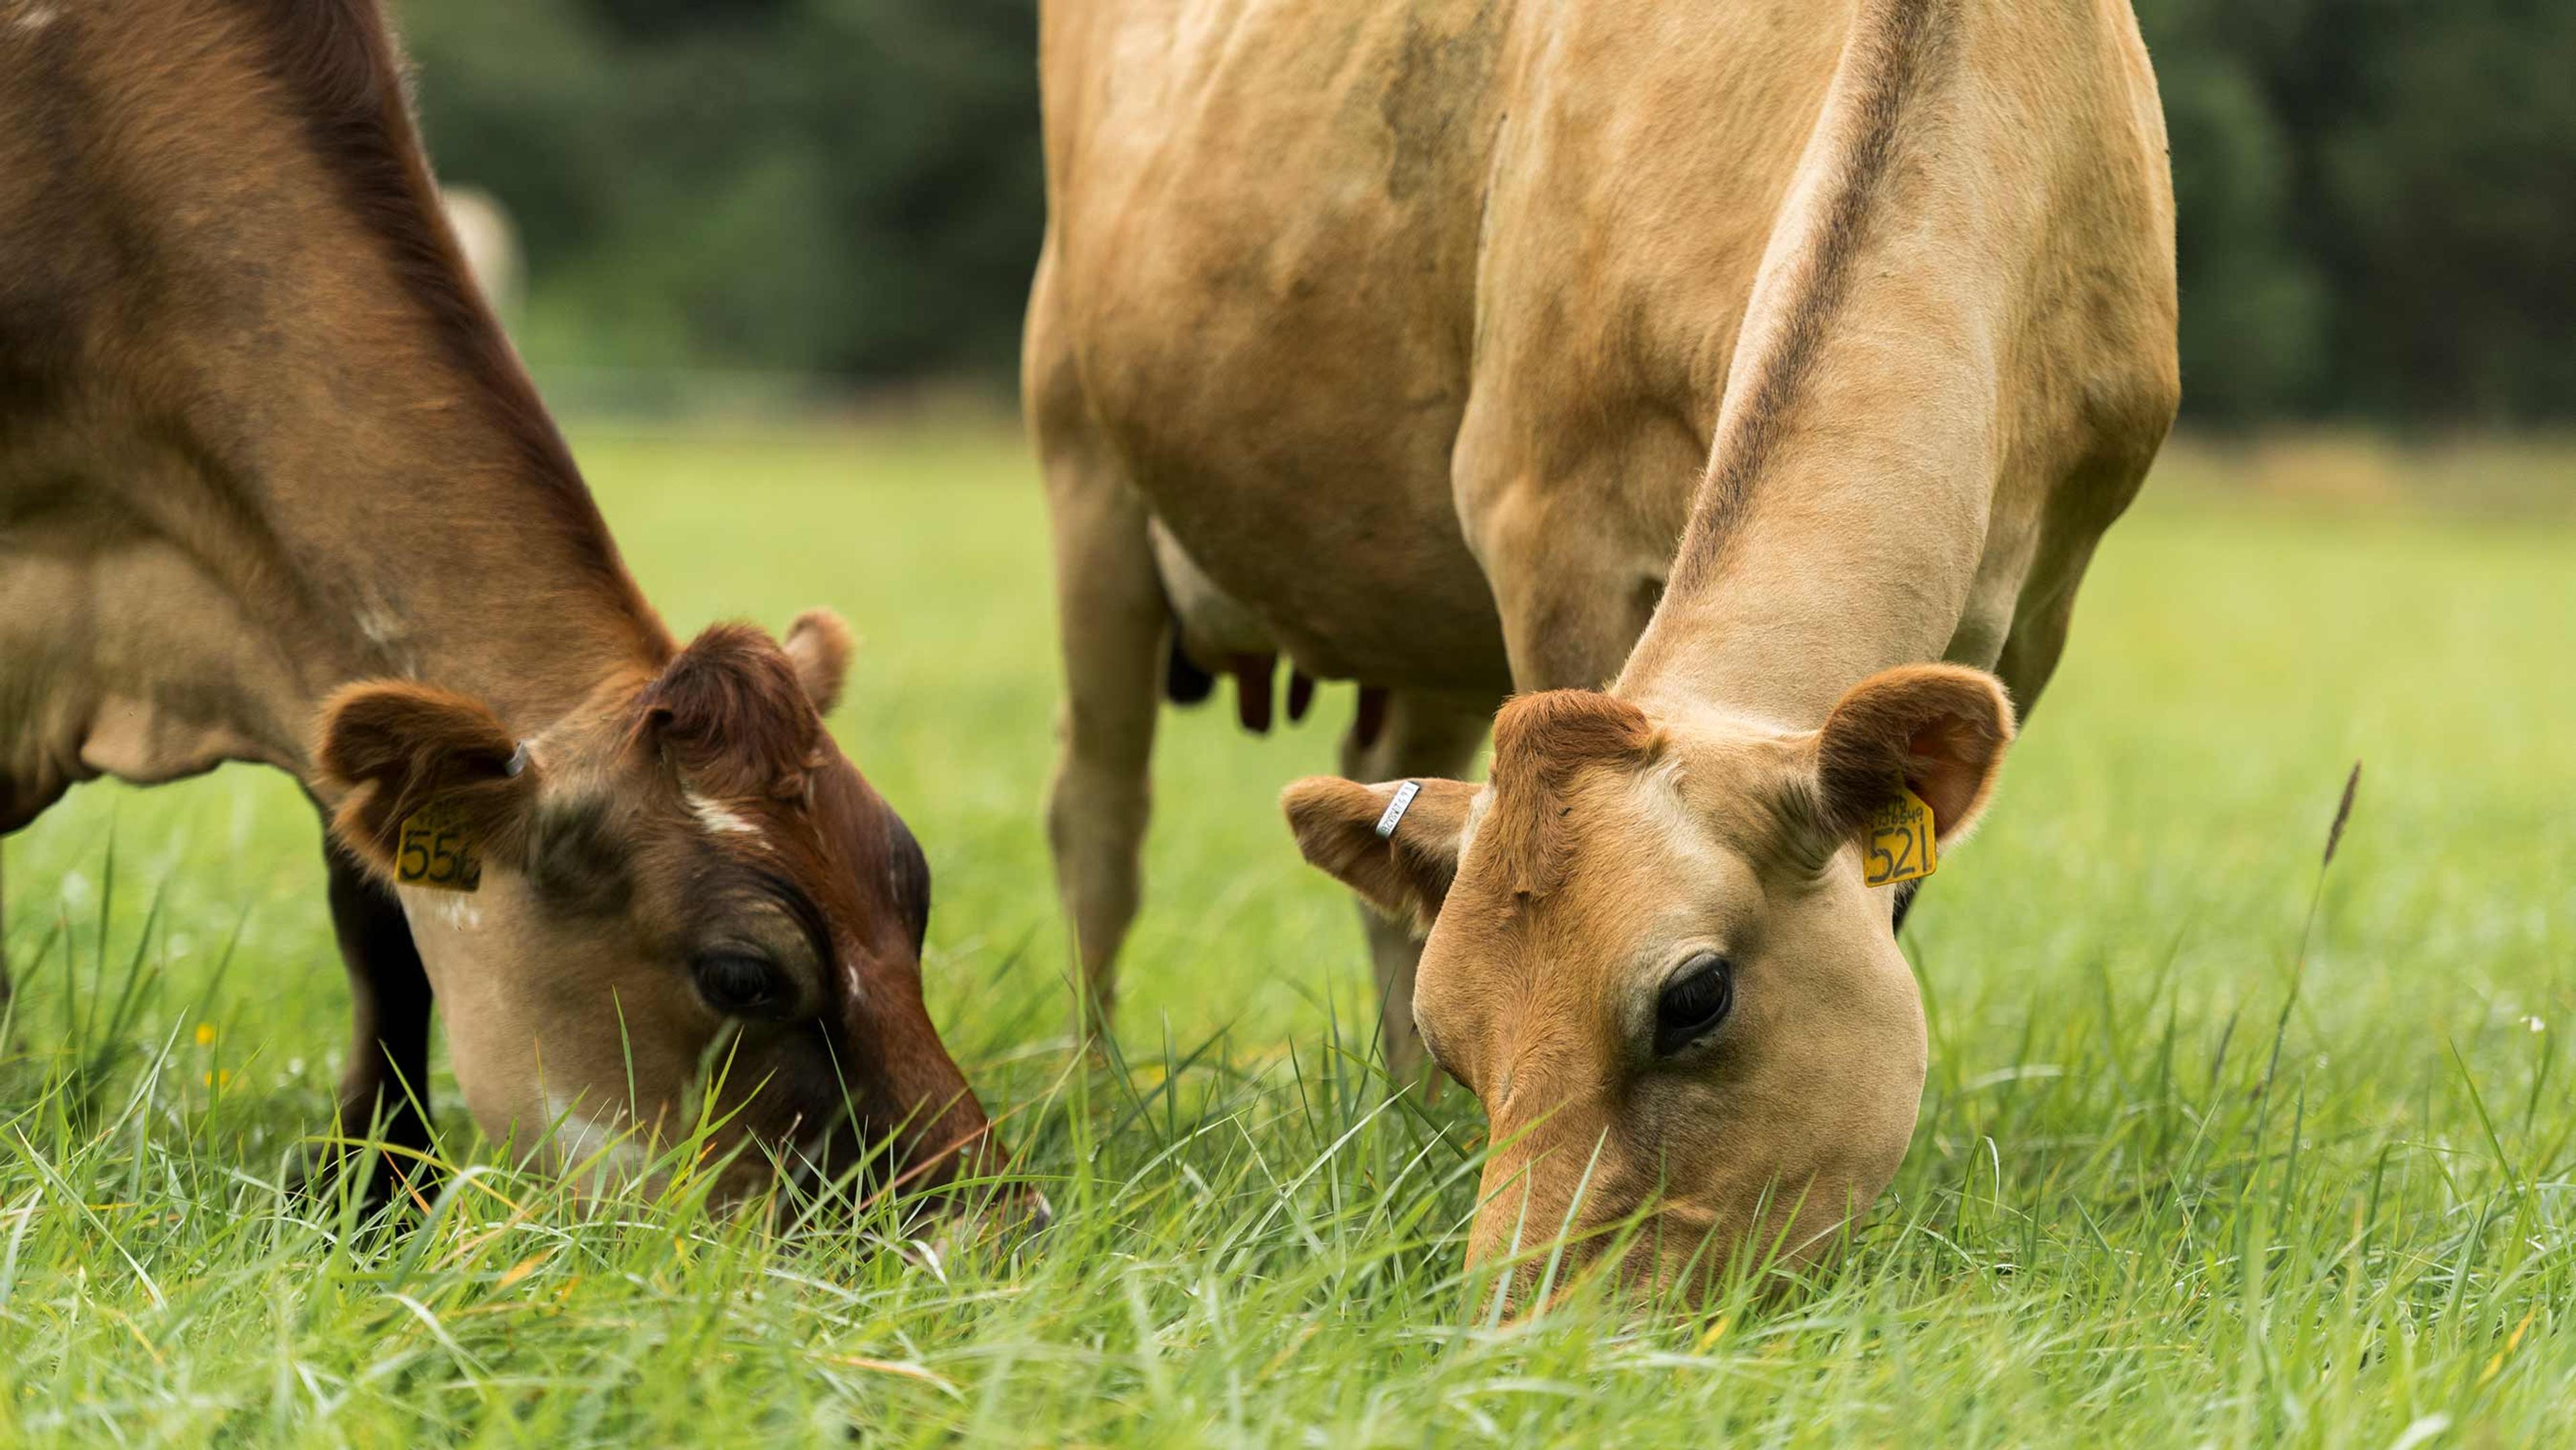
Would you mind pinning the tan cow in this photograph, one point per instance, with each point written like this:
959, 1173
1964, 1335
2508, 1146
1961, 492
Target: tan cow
1705, 372
274, 488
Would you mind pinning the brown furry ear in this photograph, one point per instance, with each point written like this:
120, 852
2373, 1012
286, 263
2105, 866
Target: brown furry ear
1406, 874
1941, 729
819, 645
733, 714
393, 748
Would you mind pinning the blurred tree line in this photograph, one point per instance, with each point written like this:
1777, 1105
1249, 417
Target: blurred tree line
2377, 197
841, 186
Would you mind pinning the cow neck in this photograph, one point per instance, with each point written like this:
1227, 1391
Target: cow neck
380, 548
385, 498
492, 583
1837, 529
1782, 629
313, 452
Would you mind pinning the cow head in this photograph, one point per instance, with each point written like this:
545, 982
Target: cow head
681, 888
1654, 958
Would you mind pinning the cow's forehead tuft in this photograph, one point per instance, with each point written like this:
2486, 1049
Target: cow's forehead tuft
1542, 742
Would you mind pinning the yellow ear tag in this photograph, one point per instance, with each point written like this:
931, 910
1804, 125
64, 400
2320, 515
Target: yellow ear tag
1899, 845
438, 851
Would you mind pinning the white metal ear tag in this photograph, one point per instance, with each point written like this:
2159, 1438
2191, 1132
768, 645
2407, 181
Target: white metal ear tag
1396, 808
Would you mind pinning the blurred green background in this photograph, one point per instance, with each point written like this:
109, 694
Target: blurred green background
2377, 197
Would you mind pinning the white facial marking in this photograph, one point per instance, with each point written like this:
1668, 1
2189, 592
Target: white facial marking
34, 18
453, 911
383, 627
717, 819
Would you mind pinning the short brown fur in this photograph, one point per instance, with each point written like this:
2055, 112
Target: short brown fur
392, 750
1885, 63
1541, 743
733, 715
339, 62
1934, 728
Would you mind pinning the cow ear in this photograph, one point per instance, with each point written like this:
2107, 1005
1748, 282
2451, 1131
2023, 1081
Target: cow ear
819, 645
394, 749
1941, 730
1402, 867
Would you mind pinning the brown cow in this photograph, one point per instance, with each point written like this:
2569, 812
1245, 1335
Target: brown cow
273, 487
1748, 357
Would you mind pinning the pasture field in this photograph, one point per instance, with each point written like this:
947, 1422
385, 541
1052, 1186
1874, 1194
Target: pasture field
2169, 1187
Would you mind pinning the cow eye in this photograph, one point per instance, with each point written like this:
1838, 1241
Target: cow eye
1694, 1002
741, 986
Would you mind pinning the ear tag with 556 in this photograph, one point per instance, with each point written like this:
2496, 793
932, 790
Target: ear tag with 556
438, 851
1897, 843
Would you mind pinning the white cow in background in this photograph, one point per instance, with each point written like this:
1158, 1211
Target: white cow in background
491, 243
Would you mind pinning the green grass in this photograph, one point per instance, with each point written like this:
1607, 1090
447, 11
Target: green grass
2108, 1230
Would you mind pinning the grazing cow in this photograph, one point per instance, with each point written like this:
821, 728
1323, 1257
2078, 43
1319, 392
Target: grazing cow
1747, 384
274, 488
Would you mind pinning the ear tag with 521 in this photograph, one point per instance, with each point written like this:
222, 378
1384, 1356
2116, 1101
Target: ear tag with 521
1897, 844
438, 851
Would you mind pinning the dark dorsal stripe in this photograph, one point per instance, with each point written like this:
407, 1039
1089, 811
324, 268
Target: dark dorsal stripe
1892, 46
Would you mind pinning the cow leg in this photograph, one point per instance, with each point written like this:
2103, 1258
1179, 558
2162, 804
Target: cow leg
1424, 734
1111, 619
385, 1092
